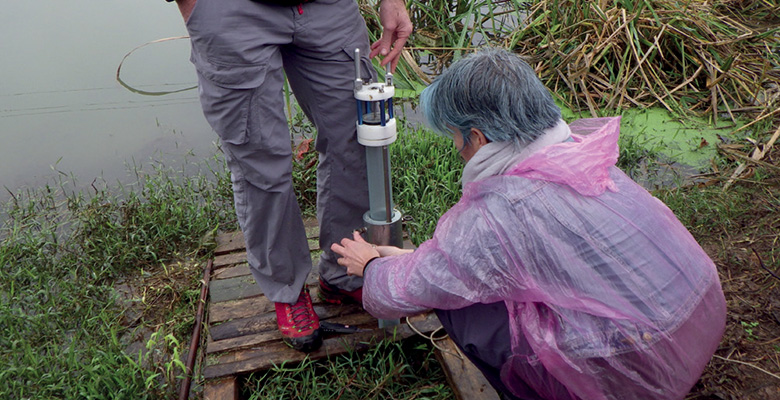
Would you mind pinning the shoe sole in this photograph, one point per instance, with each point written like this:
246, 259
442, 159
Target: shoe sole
306, 344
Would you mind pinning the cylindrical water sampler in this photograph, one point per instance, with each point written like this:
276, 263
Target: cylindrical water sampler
376, 130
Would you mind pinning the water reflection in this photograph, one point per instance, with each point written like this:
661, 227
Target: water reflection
61, 107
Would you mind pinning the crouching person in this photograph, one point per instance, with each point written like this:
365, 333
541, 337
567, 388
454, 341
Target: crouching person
555, 273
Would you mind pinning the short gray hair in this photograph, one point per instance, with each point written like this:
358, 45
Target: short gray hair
494, 91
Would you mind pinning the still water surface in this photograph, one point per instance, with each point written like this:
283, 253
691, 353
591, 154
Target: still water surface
61, 107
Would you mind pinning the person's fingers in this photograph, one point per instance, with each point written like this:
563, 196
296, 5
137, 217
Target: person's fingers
390, 52
375, 48
392, 59
337, 248
398, 45
354, 253
358, 237
380, 47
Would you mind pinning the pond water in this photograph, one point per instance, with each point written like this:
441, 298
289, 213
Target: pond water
62, 110
61, 107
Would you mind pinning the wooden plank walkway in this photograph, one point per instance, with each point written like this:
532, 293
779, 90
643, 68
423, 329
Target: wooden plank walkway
242, 336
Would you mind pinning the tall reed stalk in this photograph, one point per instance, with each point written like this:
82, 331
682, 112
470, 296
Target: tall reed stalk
710, 58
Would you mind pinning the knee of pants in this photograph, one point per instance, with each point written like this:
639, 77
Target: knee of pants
259, 168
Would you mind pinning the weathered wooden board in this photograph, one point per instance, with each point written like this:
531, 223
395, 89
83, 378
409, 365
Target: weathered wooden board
241, 308
466, 380
264, 322
242, 335
226, 260
232, 271
240, 287
361, 320
229, 242
248, 306
242, 342
222, 389
275, 353
244, 326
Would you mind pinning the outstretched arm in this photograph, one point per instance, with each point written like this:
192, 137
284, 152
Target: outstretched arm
356, 253
396, 28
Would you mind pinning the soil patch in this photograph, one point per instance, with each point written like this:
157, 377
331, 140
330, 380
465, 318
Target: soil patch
747, 364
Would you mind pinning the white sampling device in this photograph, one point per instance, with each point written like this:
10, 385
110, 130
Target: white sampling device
376, 130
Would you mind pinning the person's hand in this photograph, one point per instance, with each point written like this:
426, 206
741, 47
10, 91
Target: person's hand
355, 253
387, 251
396, 28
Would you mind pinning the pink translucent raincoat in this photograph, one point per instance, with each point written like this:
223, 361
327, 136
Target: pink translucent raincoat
609, 296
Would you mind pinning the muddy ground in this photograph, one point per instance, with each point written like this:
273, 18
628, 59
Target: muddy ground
747, 364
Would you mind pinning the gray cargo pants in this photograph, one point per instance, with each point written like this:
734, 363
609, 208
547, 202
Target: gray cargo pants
241, 49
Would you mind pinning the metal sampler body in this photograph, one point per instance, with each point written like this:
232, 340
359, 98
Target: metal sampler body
376, 130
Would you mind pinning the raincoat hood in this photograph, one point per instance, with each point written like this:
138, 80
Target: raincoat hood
582, 164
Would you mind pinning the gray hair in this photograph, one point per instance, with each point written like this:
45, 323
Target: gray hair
494, 91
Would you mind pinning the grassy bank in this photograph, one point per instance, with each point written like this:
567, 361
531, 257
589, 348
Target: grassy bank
99, 288
92, 301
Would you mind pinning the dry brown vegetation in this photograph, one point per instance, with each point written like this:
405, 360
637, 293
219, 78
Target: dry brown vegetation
739, 228
716, 59
687, 56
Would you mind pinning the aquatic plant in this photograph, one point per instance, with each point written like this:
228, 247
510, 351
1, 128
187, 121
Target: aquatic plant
710, 58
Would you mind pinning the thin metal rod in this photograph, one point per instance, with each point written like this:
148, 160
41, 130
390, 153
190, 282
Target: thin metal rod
388, 75
184, 393
386, 167
357, 65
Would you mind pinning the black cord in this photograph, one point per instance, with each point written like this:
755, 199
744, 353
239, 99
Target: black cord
761, 263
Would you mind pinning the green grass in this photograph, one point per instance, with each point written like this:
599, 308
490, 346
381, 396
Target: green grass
426, 179
99, 287
389, 370
63, 328
69, 327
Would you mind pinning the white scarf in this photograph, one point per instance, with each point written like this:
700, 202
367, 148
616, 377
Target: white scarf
495, 158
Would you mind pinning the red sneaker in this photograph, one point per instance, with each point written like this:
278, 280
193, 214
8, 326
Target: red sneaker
333, 295
299, 324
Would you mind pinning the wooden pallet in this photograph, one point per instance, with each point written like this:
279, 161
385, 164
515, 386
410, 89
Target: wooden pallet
242, 336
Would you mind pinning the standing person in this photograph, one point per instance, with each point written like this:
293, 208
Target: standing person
555, 273
242, 51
